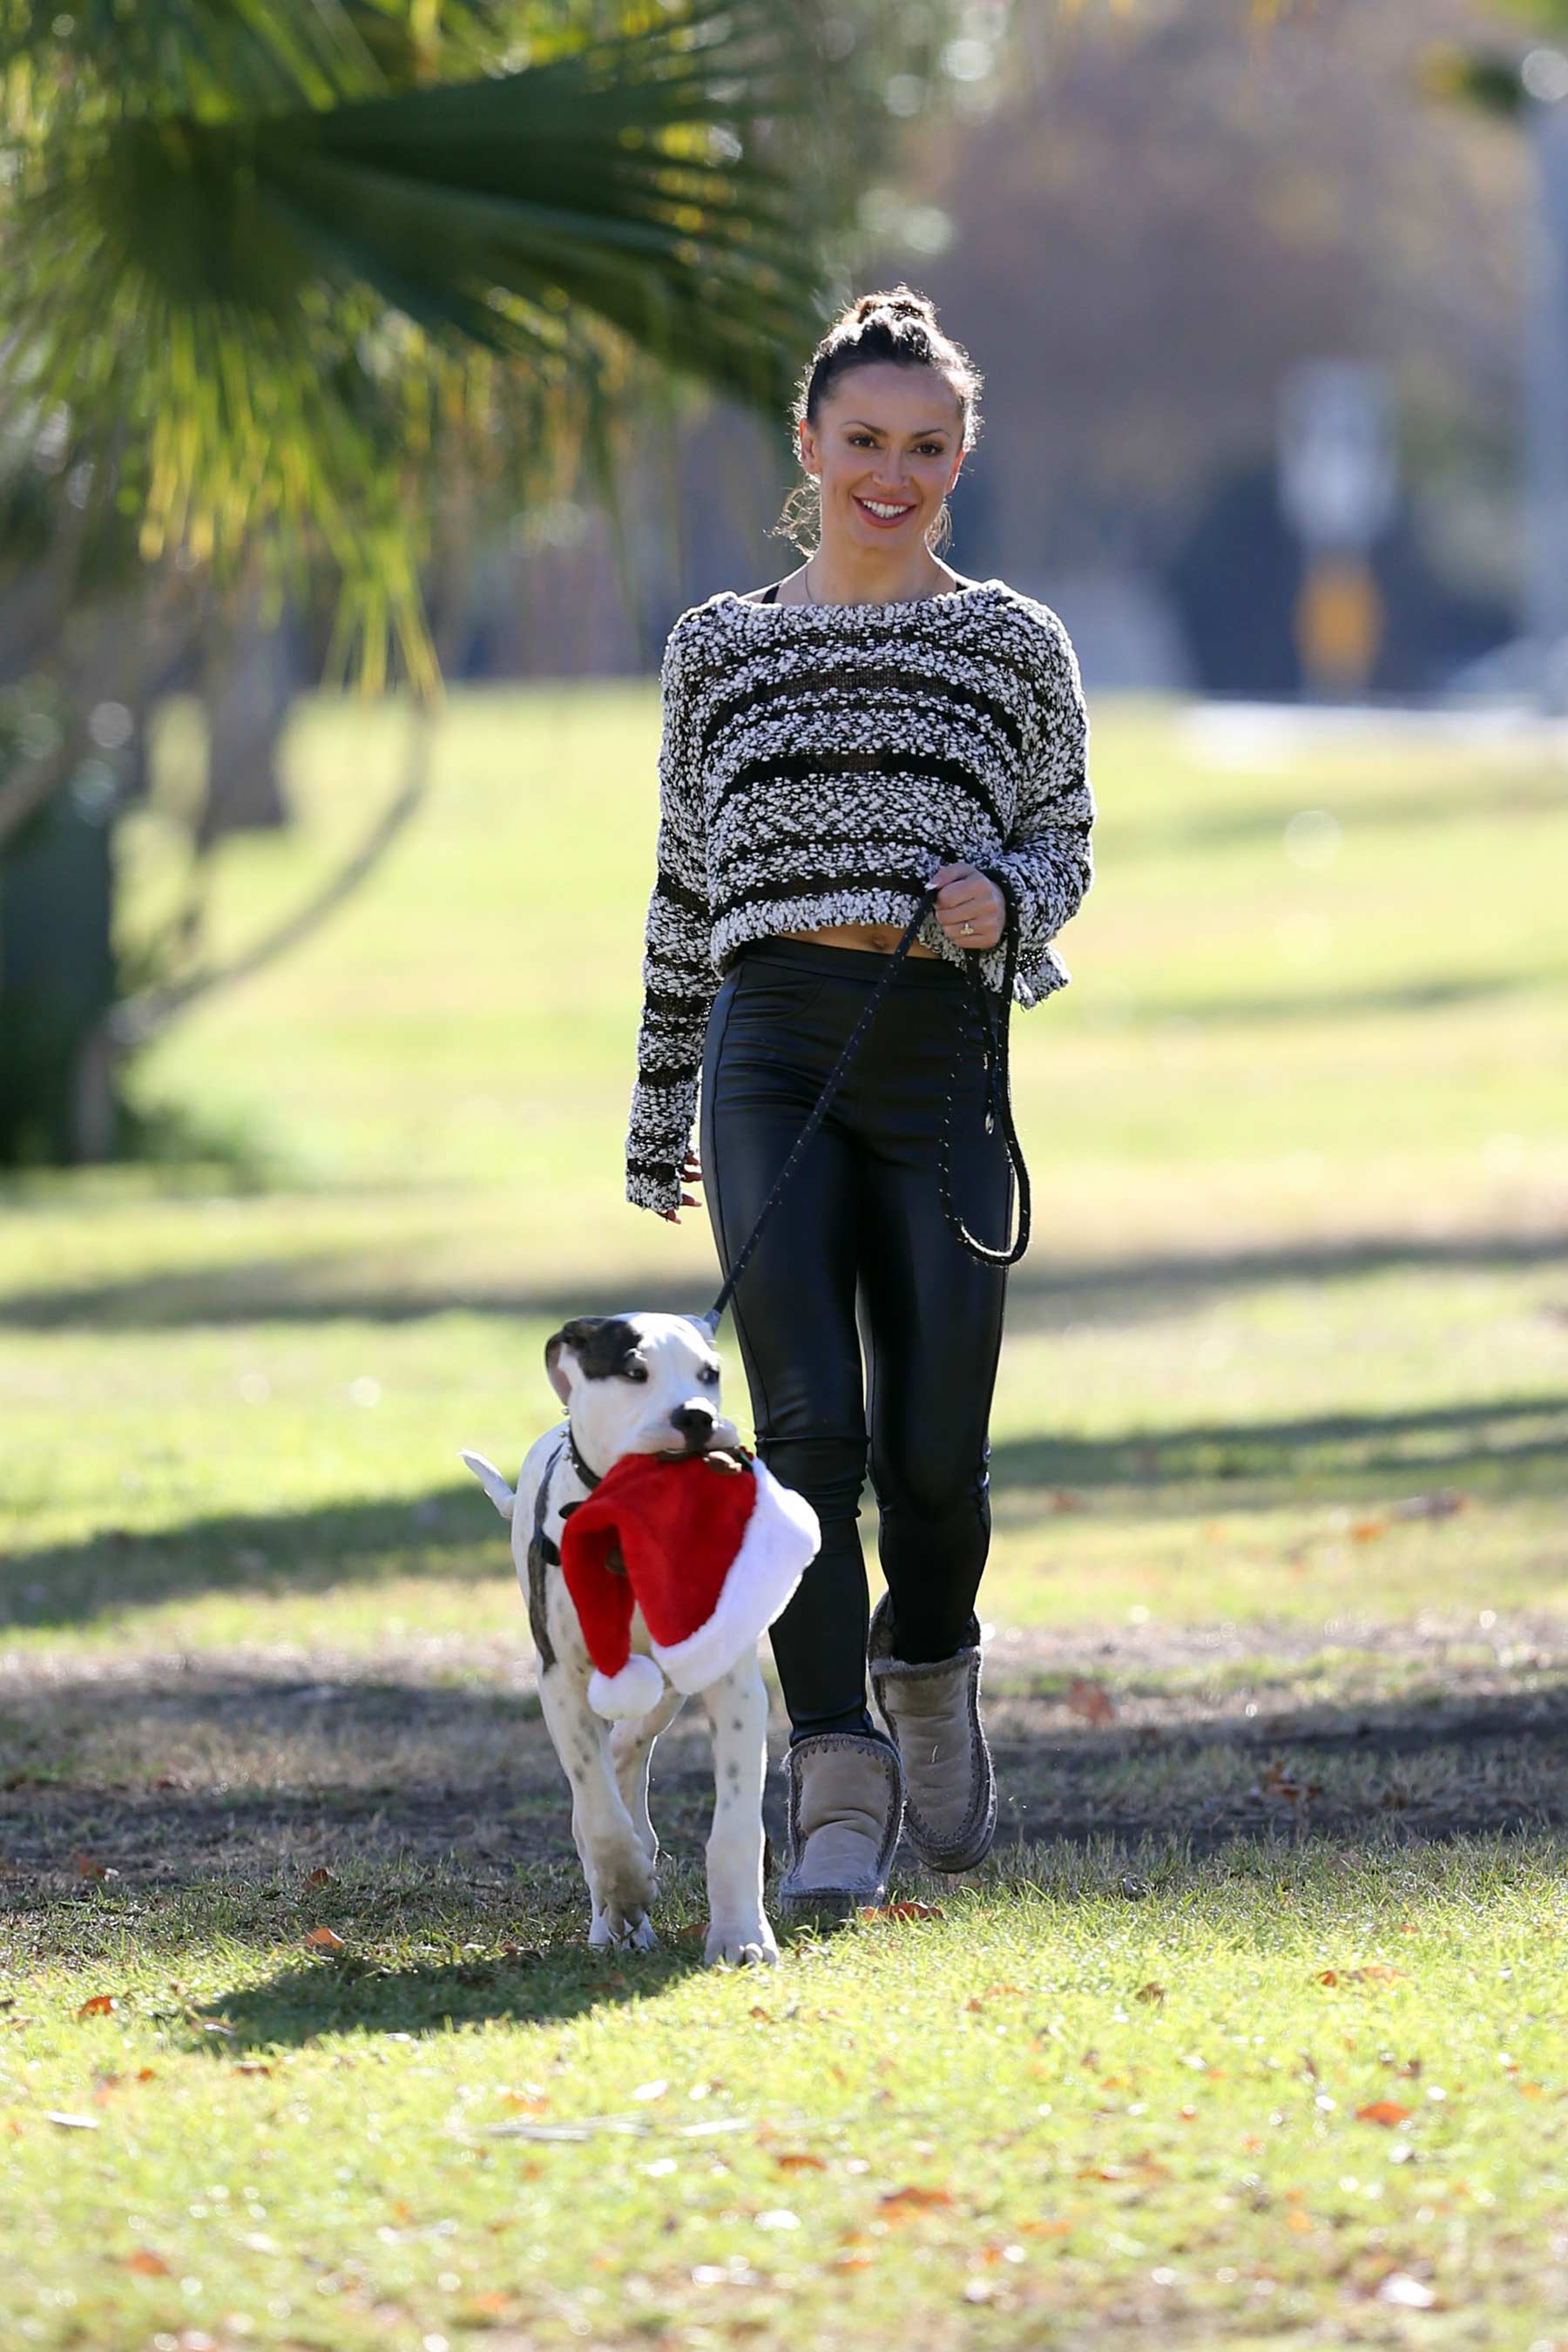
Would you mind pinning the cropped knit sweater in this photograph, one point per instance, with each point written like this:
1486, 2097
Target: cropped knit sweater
817, 764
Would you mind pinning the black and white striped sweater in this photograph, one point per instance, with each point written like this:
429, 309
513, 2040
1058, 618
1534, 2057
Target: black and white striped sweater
817, 764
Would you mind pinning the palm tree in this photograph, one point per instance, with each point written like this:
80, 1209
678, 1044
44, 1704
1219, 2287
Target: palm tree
276, 280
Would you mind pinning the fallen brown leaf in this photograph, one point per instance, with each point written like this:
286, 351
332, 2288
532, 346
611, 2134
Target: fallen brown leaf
901, 1910
1150, 1992
148, 2263
914, 2198
252, 2066
1090, 1700
1387, 2112
991, 1993
800, 2159
321, 1877
324, 1939
102, 2004
86, 1867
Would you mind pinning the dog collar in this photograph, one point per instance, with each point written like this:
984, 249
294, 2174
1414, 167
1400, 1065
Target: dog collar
589, 1477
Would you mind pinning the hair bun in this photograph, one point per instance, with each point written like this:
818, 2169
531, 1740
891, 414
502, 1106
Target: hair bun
901, 303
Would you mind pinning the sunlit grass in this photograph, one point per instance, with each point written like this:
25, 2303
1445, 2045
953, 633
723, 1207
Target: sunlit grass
1276, 1590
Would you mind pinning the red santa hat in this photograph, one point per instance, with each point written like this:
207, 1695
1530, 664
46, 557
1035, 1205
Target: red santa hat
709, 1548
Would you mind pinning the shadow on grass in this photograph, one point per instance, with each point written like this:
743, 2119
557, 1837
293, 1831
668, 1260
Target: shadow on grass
328, 1286
353, 1992
451, 1533
395, 1810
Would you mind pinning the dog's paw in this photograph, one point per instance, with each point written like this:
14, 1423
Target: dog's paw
614, 1932
748, 1943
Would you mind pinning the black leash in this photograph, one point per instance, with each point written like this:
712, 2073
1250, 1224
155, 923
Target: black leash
998, 1105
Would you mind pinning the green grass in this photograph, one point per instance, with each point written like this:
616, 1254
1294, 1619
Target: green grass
1279, 1678
1230, 2100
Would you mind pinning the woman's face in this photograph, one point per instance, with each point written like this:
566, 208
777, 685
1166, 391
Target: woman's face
887, 448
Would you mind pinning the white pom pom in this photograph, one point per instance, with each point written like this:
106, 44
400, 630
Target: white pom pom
635, 1690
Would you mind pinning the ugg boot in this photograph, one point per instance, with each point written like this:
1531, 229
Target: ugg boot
933, 1713
846, 1809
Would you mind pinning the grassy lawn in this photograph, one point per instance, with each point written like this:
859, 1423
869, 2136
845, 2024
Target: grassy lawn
1252, 2030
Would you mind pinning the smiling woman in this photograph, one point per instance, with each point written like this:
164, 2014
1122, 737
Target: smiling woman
867, 728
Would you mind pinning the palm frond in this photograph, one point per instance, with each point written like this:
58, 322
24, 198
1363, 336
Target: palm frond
223, 59
266, 301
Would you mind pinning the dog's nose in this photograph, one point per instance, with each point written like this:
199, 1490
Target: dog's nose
695, 1423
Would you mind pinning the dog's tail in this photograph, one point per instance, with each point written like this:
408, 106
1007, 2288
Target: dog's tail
490, 1479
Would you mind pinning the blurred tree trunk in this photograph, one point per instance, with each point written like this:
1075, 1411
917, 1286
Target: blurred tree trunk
56, 983
246, 688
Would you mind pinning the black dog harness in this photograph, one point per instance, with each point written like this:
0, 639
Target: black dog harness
543, 1551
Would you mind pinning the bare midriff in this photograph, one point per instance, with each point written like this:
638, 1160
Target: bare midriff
880, 938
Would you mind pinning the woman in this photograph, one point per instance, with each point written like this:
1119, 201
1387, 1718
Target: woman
832, 745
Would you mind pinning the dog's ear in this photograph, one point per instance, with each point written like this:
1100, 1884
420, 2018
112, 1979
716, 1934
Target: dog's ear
574, 1335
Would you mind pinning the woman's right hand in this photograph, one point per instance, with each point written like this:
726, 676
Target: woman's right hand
690, 1174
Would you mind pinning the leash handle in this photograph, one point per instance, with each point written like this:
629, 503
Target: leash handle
998, 1099
998, 1105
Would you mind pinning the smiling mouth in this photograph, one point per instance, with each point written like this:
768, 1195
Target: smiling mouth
892, 514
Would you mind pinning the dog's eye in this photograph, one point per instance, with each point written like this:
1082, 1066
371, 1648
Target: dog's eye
709, 1372
635, 1372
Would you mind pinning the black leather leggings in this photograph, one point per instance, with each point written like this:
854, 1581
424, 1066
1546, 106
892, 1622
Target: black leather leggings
857, 1249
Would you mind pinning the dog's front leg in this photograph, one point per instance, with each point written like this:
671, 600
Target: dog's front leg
631, 1750
737, 1710
616, 1865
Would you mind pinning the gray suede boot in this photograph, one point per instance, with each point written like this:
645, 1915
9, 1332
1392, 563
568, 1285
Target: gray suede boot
846, 1809
933, 1713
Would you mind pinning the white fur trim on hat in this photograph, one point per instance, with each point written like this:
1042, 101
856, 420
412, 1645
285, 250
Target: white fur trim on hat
635, 1690
782, 1537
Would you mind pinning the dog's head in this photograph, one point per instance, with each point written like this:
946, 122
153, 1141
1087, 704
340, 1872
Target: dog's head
638, 1384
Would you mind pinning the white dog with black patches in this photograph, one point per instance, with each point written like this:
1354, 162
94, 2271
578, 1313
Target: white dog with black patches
634, 1383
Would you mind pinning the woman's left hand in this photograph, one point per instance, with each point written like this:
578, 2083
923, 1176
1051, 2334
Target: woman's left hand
967, 896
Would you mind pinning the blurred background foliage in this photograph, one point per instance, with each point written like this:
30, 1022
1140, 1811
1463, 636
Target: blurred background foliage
386, 341
292, 299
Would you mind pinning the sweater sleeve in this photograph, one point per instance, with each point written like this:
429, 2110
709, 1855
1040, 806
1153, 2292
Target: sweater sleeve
678, 980
1046, 862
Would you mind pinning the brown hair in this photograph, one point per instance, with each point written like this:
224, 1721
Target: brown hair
898, 324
